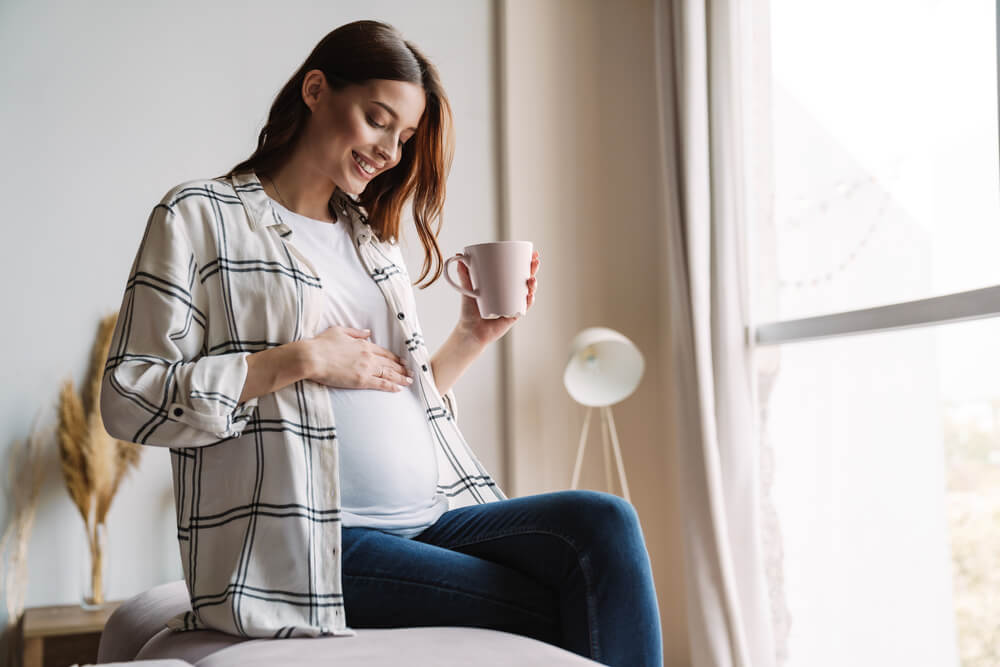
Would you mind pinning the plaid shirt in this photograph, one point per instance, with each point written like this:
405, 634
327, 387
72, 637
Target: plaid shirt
256, 484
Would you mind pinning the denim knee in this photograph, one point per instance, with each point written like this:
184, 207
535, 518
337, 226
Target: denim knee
598, 514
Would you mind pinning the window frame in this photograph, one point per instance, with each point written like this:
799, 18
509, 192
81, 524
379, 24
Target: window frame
945, 309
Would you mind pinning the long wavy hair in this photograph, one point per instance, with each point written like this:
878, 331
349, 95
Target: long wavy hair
356, 53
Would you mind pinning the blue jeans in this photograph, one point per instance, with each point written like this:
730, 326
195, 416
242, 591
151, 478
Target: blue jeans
567, 567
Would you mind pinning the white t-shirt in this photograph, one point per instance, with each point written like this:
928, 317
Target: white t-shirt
388, 471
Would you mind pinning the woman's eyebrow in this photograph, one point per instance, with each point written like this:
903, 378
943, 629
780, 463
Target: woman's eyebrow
392, 111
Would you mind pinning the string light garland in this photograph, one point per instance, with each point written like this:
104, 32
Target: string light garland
816, 212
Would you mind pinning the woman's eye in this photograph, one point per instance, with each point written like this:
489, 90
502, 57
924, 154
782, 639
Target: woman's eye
371, 121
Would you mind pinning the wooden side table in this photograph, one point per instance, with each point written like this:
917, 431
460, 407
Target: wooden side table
60, 636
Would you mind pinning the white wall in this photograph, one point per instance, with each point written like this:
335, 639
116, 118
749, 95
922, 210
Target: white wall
105, 106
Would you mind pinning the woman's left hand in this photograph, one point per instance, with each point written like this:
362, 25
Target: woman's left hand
487, 331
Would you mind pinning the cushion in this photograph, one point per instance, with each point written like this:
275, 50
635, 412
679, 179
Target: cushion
136, 631
143, 663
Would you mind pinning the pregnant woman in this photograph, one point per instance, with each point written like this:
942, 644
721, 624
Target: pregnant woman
268, 338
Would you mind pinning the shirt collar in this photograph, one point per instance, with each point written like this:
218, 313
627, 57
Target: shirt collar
261, 215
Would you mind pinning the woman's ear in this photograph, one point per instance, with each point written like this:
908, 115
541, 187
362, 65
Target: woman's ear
312, 88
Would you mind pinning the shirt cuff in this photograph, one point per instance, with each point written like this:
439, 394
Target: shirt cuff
207, 393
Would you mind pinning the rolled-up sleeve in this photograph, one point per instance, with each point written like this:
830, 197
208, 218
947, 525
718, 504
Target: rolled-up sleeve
160, 387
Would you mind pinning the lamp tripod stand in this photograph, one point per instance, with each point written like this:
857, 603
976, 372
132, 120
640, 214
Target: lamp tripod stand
607, 427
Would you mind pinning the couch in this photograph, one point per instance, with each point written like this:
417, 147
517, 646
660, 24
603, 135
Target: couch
136, 634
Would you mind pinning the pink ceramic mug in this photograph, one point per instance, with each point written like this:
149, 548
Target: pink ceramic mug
499, 272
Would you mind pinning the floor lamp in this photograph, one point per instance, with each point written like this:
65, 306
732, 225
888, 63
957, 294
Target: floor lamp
604, 368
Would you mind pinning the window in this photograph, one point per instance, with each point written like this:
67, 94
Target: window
877, 284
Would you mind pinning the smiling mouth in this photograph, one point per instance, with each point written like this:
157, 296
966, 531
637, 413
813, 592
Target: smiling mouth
366, 167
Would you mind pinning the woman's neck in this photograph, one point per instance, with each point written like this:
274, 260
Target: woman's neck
301, 191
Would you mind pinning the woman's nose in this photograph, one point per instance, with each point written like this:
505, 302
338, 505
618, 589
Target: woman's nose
386, 153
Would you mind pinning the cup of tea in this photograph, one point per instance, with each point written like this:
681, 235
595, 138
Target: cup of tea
499, 271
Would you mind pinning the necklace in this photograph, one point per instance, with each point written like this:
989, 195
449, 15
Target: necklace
282, 199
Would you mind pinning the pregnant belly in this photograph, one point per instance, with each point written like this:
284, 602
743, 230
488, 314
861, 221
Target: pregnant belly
386, 449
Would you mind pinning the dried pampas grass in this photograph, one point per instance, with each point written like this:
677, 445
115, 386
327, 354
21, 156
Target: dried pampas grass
26, 472
93, 463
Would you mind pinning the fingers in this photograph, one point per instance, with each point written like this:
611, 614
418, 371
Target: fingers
394, 361
395, 381
392, 380
395, 375
464, 275
358, 333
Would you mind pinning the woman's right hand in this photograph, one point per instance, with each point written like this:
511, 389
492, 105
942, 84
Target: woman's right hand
342, 357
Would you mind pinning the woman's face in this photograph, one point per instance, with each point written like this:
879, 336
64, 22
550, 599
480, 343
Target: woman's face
364, 123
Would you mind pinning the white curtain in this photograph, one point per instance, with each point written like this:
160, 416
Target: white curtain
705, 51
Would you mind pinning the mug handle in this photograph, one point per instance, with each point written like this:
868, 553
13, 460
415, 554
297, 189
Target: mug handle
447, 275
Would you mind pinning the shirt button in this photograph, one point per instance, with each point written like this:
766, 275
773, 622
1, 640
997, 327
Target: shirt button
400, 315
423, 366
178, 412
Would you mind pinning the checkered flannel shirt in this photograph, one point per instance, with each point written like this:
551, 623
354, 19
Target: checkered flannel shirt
256, 484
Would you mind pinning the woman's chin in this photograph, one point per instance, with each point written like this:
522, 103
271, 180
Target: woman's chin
352, 187
357, 186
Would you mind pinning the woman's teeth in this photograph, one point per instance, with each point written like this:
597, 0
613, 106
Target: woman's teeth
364, 165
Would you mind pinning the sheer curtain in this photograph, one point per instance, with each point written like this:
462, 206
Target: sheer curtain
705, 51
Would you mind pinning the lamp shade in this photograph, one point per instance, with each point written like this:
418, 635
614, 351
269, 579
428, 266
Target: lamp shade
604, 367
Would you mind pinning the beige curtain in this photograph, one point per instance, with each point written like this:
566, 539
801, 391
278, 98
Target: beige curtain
705, 53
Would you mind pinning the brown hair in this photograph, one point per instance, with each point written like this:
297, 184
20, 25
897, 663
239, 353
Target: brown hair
355, 53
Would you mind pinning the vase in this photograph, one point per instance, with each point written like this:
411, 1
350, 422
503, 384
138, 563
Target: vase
94, 566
